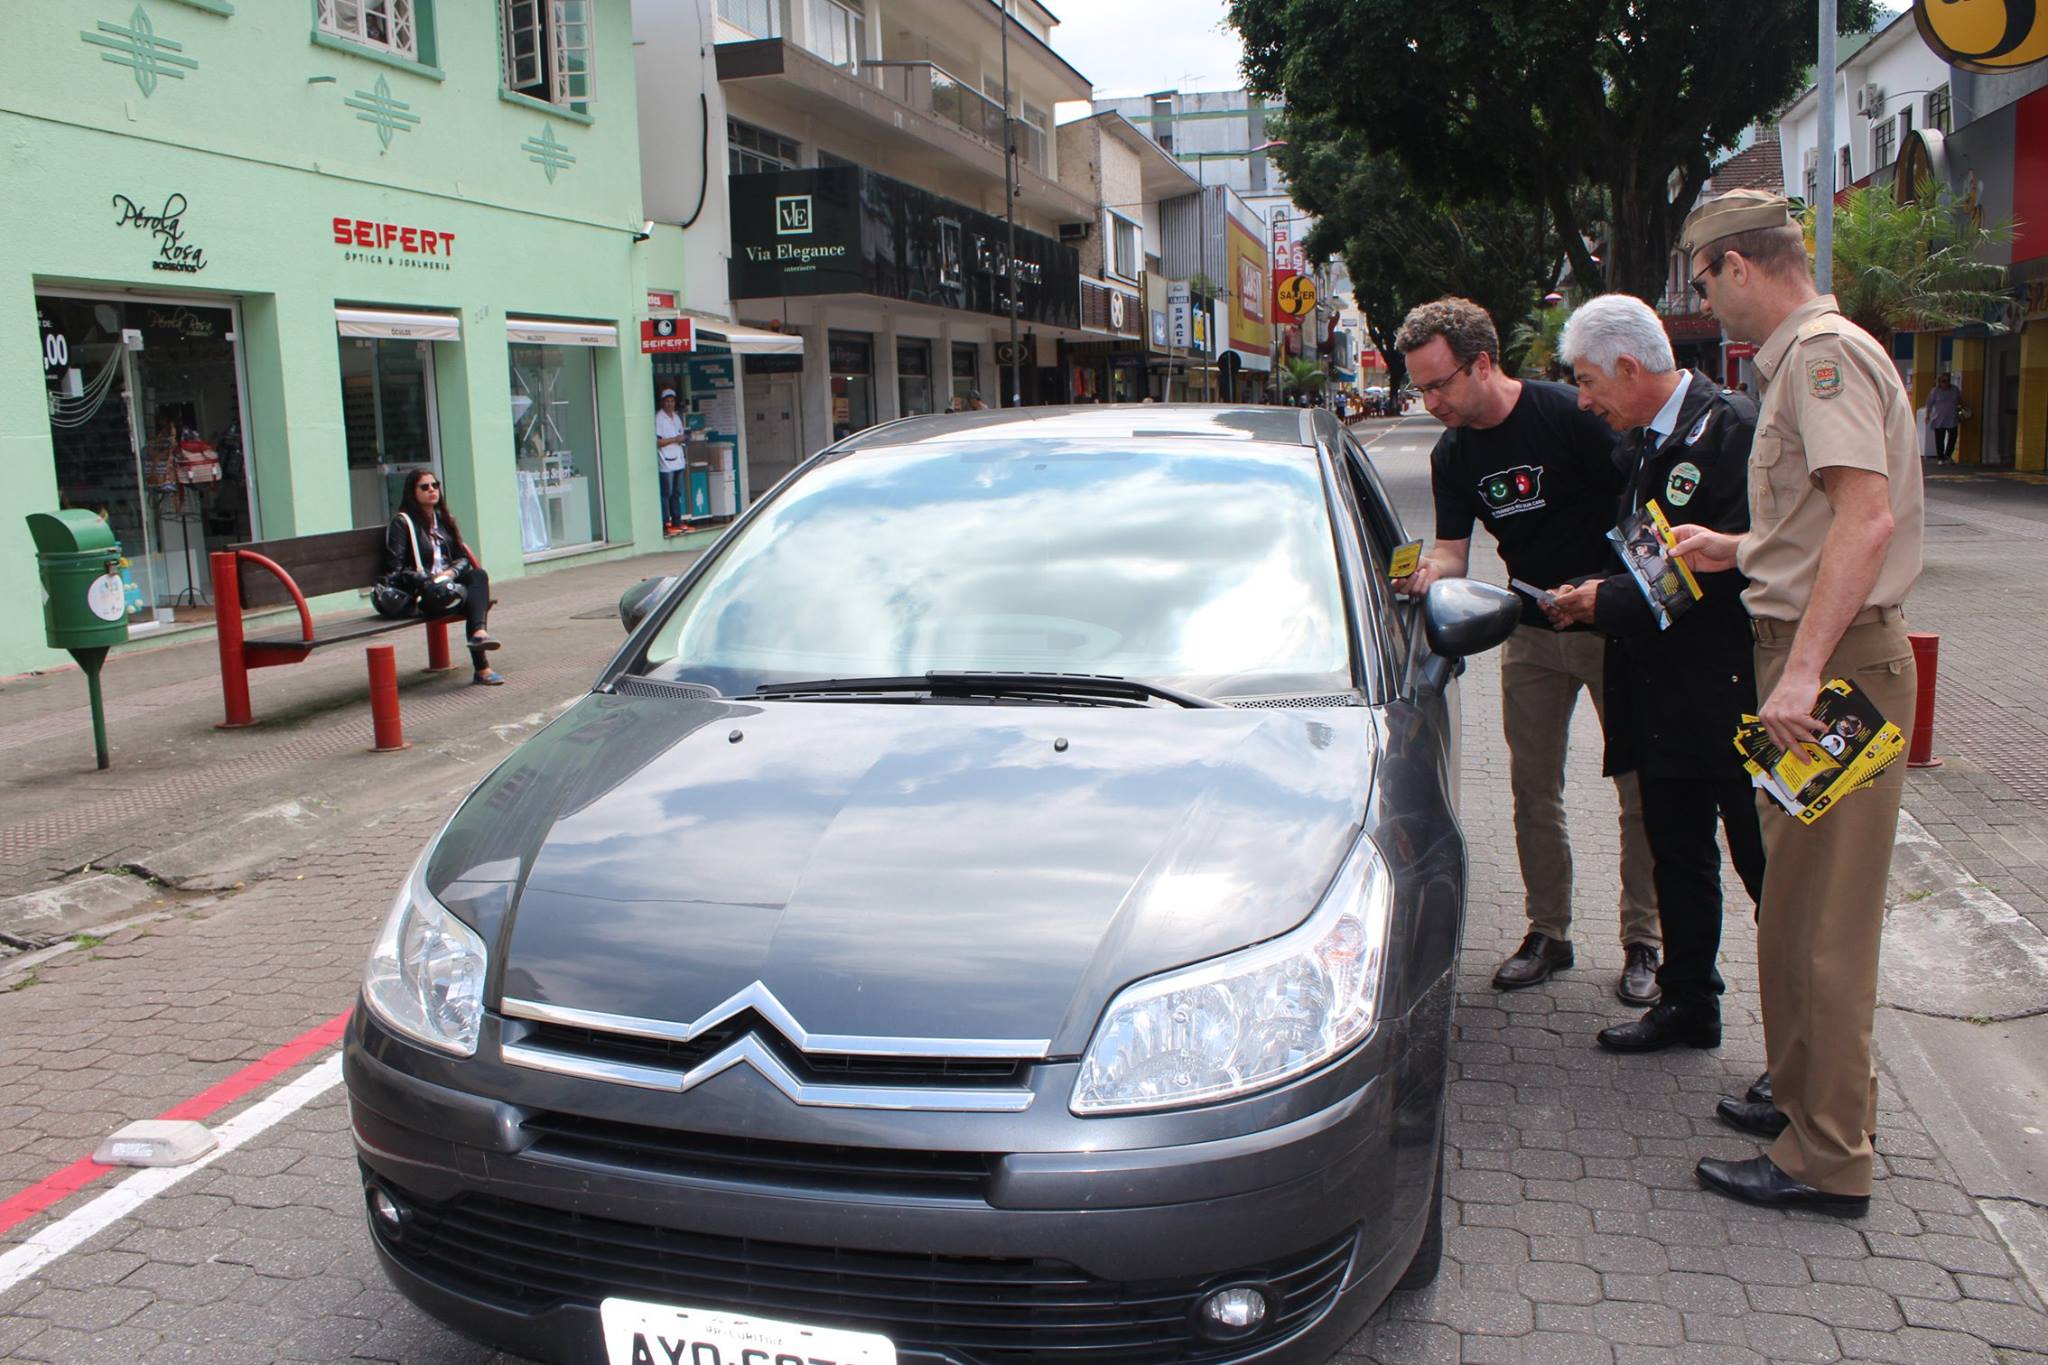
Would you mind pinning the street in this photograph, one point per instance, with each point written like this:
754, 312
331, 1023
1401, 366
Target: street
185, 932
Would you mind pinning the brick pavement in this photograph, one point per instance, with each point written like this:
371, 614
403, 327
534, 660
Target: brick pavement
1575, 1230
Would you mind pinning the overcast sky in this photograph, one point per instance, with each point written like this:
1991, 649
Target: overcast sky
1133, 47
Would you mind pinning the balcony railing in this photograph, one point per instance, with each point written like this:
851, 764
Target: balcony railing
931, 89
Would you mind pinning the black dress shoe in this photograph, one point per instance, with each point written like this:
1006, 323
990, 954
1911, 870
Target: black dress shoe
1664, 1026
1533, 962
1638, 984
1759, 1181
1764, 1120
1759, 1091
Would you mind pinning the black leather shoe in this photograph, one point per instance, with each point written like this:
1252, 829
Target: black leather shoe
1759, 1181
1664, 1026
1638, 984
1759, 1091
1533, 962
1764, 1120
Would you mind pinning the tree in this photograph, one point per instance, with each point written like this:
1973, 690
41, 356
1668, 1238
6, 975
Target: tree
1536, 340
1299, 375
1916, 265
1404, 246
1501, 100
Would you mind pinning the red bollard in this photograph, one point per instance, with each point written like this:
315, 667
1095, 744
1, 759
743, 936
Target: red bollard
384, 699
1926, 659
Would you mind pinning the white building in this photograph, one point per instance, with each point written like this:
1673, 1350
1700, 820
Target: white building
1886, 85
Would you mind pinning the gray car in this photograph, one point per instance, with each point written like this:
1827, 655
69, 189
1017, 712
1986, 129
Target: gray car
1000, 906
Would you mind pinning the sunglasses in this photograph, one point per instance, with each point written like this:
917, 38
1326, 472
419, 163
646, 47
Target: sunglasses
1698, 282
426, 483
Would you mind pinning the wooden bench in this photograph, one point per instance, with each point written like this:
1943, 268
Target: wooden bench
269, 573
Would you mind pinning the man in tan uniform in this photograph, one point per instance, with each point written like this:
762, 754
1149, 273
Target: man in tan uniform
1836, 517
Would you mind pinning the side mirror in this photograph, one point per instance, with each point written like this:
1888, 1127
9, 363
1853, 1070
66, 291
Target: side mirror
636, 601
1461, 617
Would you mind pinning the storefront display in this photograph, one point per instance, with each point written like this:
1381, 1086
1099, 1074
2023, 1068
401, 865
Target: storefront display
966, 371
853, 384
556, 448
388, 421
913, 378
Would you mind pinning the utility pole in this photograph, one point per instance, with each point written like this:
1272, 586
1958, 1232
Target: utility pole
1824, 179
1010, 217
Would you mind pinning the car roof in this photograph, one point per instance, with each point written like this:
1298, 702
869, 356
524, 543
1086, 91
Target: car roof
1099, 421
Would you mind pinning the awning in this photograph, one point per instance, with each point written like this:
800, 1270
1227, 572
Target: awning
750, 340
397, 325
547, 332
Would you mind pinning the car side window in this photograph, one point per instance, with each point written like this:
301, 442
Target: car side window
1381, 532
1385, 633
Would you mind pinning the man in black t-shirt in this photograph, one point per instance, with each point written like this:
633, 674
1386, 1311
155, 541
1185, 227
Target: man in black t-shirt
1522, 458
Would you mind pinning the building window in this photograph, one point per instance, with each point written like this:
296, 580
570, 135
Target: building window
387, 25
751, 150
762, 18
838, 33
1124, 254
1844, 174
1162, 121
1938, 109
913, 378
1883, 133
1034, 138
966, 372
555, 447
548, 46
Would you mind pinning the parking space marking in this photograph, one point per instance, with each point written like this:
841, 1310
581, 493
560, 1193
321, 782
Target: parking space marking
75, 1229
54, 1189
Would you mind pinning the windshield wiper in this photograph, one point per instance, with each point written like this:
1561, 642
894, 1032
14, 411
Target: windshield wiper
951, 683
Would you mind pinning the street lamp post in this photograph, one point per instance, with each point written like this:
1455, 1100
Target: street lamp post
1010, 217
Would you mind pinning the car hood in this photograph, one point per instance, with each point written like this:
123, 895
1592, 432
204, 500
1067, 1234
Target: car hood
897, 870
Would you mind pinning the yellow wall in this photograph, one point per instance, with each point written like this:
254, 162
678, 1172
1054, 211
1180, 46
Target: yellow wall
2033, 418
1926, 364
1968, 363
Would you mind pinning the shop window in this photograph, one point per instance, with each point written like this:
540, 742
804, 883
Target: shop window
762, 18
548, 46
913, 378
556, 448
751, 150
838, 33
386, 25
966, 371
387, 420
853, 382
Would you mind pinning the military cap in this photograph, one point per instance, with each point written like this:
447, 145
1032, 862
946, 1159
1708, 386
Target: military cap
1730, 213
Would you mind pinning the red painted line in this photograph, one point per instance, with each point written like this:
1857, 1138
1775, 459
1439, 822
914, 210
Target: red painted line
53, 1189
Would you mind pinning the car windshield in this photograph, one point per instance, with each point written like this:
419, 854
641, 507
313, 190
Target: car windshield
1205, 564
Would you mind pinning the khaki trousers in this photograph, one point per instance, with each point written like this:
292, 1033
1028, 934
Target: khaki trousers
1819, 924
1541, 672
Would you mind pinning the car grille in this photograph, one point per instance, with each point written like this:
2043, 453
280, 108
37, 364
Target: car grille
883, 1171
984, 1311
838, 1068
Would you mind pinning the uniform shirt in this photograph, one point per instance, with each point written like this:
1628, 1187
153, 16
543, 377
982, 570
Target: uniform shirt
667, 425
1831, 399
1544, 482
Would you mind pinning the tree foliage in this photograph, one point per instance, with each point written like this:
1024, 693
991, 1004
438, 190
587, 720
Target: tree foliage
1534, 100
1300, 375
1405, 246
1916, 265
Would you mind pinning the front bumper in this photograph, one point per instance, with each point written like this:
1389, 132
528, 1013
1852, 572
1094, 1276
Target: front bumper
1090, 1257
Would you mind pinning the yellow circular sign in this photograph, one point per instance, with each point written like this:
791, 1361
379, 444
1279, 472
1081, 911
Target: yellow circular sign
1297, 296
1984, 35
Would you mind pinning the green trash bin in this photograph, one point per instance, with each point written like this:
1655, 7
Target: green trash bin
85, 602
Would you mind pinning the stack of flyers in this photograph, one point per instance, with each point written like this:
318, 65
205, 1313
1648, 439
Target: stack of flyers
1405, 559
1643, 540
1857, 745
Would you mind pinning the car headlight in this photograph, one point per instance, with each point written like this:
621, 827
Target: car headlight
1235, 1024
426, 974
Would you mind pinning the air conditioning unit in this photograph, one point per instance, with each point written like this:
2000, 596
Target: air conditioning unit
1870, 99
1073, 232
1811, 162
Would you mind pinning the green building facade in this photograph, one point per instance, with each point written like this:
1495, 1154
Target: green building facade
259, 259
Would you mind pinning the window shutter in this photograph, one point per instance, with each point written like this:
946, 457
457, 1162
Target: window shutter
570, 25
522, 44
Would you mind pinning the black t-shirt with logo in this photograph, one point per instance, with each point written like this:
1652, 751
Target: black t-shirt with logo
1544, 482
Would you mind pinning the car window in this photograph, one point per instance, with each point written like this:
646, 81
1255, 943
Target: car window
1212, 566
1383, 523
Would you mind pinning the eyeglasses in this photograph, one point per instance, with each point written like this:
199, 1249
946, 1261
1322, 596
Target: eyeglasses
1715, 270
1427, 389
427, 483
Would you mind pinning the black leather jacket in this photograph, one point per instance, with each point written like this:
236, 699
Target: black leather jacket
401, 544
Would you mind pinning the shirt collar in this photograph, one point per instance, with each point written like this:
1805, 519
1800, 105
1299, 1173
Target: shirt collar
1666, 420
1772, 353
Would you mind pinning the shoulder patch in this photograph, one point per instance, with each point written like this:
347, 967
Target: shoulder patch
1824, 377
1699, 428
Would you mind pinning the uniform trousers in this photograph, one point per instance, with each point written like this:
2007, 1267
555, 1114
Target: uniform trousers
1822, 915
1541, 674
1679, 815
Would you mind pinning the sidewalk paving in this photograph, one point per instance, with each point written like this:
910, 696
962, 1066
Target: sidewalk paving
1575, 1229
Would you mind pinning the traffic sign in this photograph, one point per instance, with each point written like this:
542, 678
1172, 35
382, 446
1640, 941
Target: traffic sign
1297, 296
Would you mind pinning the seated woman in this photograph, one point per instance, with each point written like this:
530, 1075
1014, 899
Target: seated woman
424, 545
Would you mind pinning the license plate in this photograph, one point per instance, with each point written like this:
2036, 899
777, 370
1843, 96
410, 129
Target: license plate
637, 1333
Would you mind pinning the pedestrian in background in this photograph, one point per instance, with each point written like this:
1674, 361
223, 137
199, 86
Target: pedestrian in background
1521, 457
670, 452
1674, 696
1836, 525
1944, 415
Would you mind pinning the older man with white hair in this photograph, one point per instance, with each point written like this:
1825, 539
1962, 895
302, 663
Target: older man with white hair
1673, 695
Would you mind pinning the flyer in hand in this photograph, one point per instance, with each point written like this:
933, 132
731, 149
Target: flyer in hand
1643, 540
1857, 744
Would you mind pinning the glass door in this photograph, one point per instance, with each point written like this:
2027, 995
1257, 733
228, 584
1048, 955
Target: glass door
388, 421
